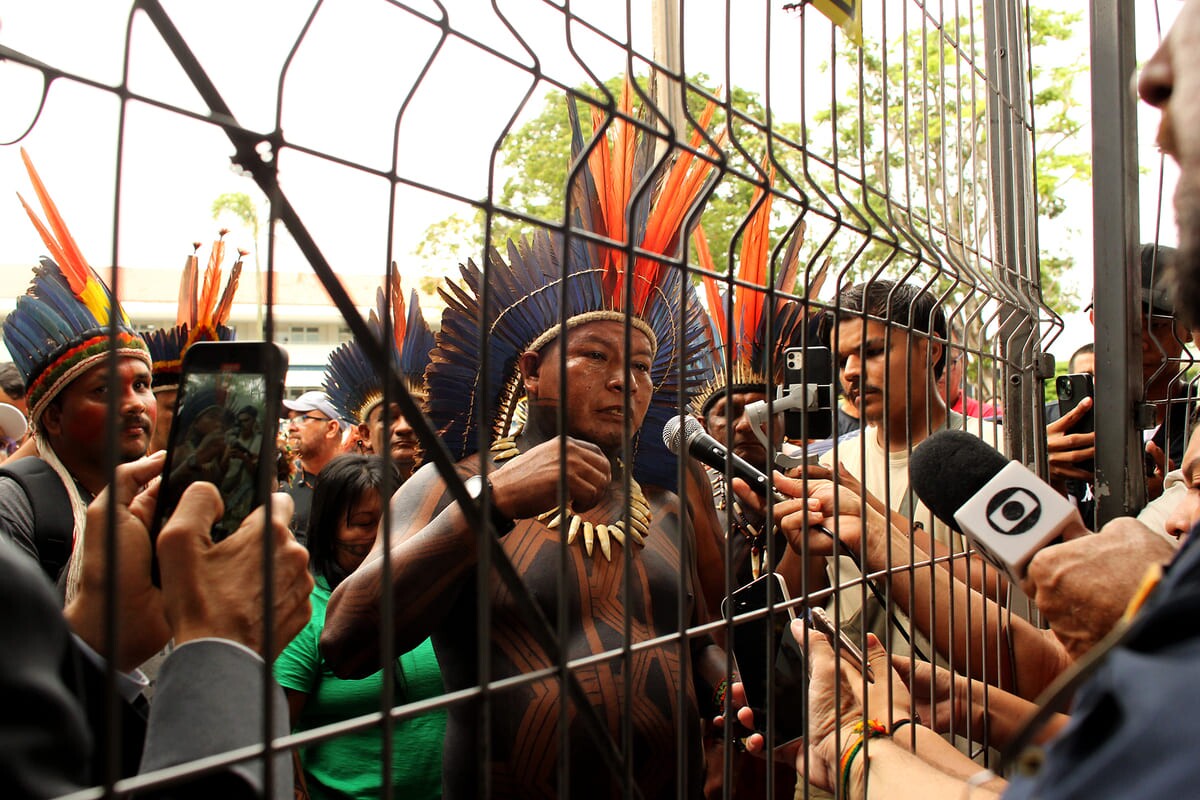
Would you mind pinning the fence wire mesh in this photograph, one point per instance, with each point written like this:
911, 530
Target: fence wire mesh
901, 160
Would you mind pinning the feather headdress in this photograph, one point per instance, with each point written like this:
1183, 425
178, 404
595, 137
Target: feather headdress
58, 330
60, 326
527, 290
753, 358
202, 317
355, 385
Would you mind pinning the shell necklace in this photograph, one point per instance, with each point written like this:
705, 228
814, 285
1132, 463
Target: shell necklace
639, 513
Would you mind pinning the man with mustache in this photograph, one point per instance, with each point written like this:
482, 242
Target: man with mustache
315, 430
889, 342
59, 337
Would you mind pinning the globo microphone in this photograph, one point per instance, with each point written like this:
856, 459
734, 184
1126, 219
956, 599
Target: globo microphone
708, 450
1006, 511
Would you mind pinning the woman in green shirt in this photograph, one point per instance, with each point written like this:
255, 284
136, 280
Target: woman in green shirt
346, 510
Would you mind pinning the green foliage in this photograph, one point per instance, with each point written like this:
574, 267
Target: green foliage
915, 127
241, 206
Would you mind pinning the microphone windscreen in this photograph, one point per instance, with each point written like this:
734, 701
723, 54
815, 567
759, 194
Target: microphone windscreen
949, 468
671, 434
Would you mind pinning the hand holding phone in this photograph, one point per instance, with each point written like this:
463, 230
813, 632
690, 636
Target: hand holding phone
809, 370
228, 402
820, 621
783, 709
1071, 389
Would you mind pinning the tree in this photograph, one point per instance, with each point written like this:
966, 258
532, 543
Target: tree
928, 105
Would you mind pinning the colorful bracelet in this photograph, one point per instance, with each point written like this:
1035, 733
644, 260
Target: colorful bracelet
719, 694
865, 729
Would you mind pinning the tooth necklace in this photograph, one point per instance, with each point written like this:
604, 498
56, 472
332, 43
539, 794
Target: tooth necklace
639, 513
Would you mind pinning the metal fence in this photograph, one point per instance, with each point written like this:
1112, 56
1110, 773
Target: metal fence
908, 157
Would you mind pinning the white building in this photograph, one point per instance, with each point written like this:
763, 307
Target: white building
306, 322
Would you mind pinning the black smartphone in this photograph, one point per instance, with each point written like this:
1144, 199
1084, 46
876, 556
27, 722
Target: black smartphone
809, 370
226, 419
1071, 389
784, 710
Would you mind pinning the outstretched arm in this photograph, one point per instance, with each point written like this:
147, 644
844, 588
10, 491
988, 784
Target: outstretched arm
434, 549
968, 629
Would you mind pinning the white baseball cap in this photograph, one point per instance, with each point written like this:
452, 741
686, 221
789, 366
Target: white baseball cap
12, 422
315, 401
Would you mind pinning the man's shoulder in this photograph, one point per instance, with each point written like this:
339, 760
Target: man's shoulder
824, 448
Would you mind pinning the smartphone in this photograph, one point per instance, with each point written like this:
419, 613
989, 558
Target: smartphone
1071, 389
784, 710
809, 370
226, 419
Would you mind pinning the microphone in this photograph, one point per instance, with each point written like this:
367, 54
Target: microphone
692, 436
1006, 511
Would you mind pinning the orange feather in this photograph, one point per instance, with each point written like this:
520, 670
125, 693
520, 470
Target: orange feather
67, 254
186, 315
225, 305
712, 292
399, 314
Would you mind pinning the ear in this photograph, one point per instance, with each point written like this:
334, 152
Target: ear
530, 363
51, 421
935, 354
703, 422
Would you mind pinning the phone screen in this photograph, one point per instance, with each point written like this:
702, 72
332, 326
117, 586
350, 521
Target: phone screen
223, 432
785, 710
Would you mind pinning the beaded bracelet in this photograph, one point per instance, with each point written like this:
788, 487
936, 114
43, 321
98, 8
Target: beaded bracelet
865, 729
719, 694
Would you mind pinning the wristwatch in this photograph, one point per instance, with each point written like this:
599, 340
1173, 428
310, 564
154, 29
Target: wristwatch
474, 487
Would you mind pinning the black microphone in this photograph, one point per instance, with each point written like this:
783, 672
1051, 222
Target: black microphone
708, 450
1006, 511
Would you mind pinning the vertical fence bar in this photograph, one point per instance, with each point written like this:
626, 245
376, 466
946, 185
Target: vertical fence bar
1120, 480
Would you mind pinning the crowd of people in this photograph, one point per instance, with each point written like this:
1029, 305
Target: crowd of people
548, 618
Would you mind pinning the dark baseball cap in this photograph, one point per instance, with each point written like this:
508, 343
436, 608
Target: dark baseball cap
1156, 295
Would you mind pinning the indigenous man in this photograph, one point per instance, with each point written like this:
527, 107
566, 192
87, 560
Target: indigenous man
564, 503
355, 386
59, 337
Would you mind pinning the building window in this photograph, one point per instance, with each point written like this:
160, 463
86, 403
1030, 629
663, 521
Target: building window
304, 334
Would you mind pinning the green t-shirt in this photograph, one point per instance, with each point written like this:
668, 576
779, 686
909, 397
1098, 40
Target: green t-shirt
348, 766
